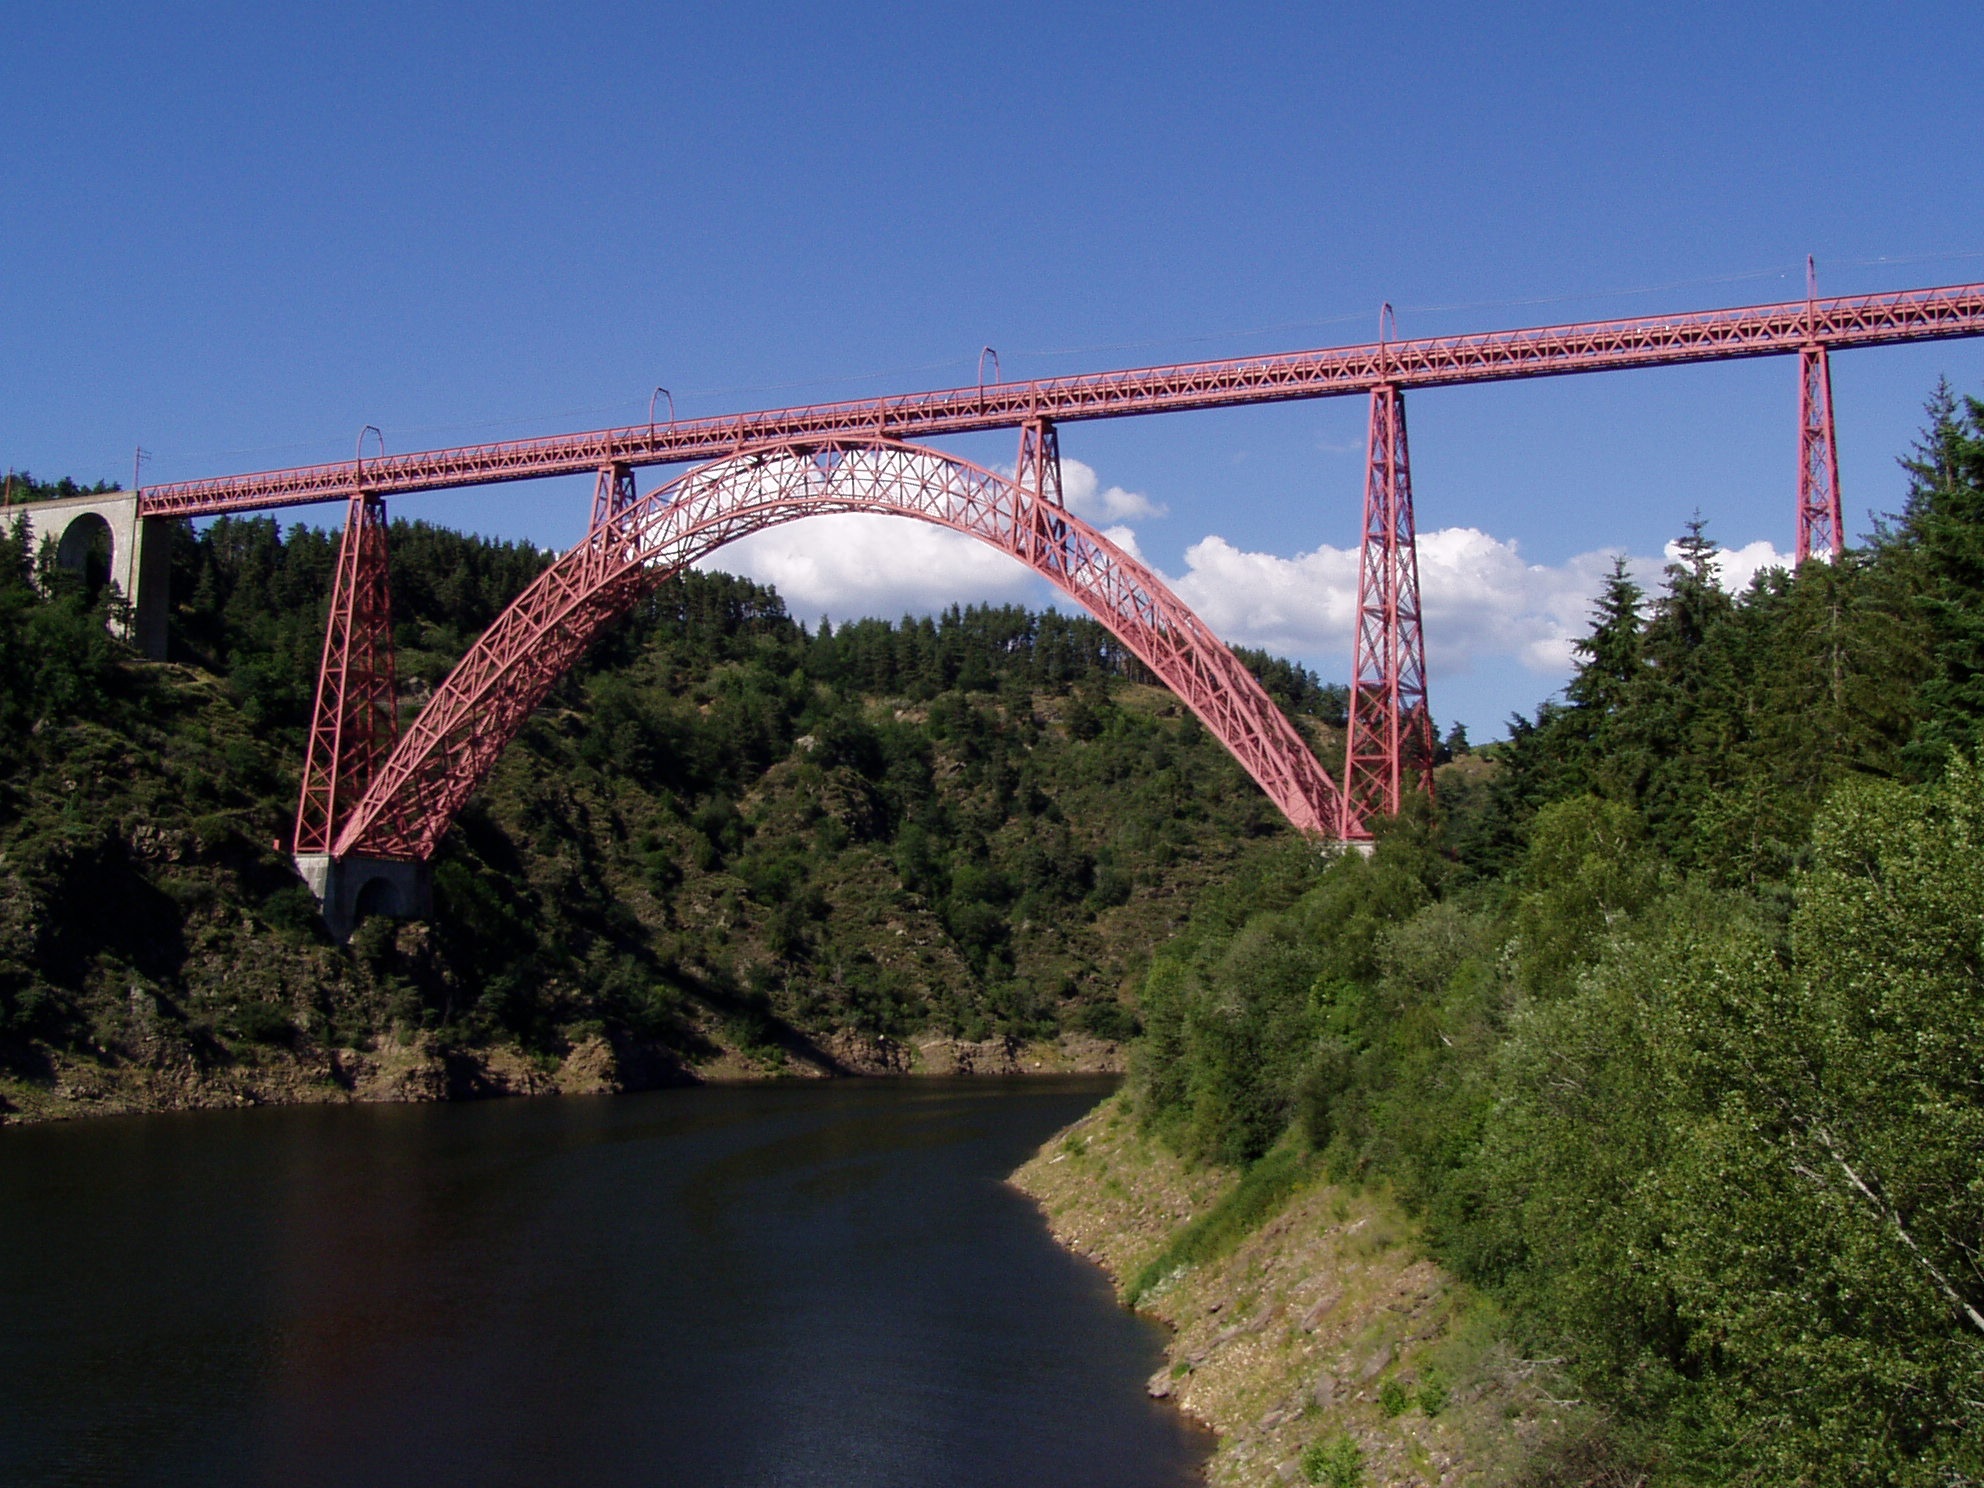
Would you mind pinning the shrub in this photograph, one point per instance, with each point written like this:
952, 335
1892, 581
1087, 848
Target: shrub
1107, 1020
263, 1023
1393, 1397
1262, 1190
1433, 1393
1337, 1463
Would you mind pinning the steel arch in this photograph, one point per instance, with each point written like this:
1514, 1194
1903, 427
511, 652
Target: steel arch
632, 549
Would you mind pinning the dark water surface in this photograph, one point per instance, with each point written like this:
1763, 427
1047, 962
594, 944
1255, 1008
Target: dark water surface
791, 1285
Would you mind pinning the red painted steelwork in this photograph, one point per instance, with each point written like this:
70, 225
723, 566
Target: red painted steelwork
1714, 335
1037, 512
1391, 729
1820, 529
355, 720
451, 747
613, 494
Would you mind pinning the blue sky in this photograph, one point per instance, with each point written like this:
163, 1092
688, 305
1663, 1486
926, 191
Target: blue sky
236, 236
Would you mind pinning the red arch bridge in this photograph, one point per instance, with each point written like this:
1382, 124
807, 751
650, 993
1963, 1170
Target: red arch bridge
376, 800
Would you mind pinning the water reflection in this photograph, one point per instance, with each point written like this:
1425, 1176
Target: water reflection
793, 1285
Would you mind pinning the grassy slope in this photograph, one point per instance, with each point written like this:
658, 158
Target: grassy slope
1311, 1320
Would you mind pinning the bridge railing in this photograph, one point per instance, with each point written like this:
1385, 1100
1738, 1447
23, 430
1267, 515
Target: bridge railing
1542, 351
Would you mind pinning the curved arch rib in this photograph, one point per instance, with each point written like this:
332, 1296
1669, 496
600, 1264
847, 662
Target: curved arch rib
452, 746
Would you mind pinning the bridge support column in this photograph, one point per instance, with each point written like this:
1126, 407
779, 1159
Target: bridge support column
613, 495
1819, 527
352, 729
1389, 746
356, 717
1820, 531
103, 537
351, 888
1037, 495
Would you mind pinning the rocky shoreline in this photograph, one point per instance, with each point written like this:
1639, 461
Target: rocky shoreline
423, 1068
1325, 1346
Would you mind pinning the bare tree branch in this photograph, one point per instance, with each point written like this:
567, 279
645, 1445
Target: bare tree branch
1881, 1206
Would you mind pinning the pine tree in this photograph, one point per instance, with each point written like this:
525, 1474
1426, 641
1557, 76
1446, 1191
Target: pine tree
1614, 653
1683, 728
1941, 554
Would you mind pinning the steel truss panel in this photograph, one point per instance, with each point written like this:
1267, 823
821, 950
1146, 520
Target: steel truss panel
355, 718
1390, 737
632, 550
1546, 351
1820, 530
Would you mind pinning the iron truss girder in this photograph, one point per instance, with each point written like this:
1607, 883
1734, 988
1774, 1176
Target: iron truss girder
633, 549
1543, 351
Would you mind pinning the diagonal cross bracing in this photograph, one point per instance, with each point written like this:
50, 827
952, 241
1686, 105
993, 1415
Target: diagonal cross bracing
1545, 351
354, 720
1388, 744
447, 752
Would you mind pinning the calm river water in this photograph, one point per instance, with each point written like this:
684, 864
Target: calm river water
803, 1284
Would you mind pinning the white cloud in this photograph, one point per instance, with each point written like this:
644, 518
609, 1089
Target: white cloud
1086, 497
1126, 539
869, 564
1735, 567
1482, 600
1302, 604
1478, 596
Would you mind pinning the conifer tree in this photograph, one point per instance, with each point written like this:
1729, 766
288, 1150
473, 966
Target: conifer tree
1942, 551
1614, 653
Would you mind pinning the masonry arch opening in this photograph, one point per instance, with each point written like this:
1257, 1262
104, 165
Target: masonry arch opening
377, 896
88, 550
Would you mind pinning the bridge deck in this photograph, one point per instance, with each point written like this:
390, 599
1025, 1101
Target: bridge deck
1545, 351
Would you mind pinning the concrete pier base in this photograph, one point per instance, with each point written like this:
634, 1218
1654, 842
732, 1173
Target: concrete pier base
349, 889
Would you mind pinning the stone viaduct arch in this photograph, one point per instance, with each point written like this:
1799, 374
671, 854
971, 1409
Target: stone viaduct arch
87, 547
139, 557
635, 544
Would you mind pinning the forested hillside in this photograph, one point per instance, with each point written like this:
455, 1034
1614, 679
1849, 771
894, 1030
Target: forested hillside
1663, 1023
1666, 1025
724, 838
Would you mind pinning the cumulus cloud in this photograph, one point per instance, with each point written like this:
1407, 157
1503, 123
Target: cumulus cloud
1088, 499
861, 564
858, 564
1480, 597
1126, 539
1735, 567
1478, 594
1302, 604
